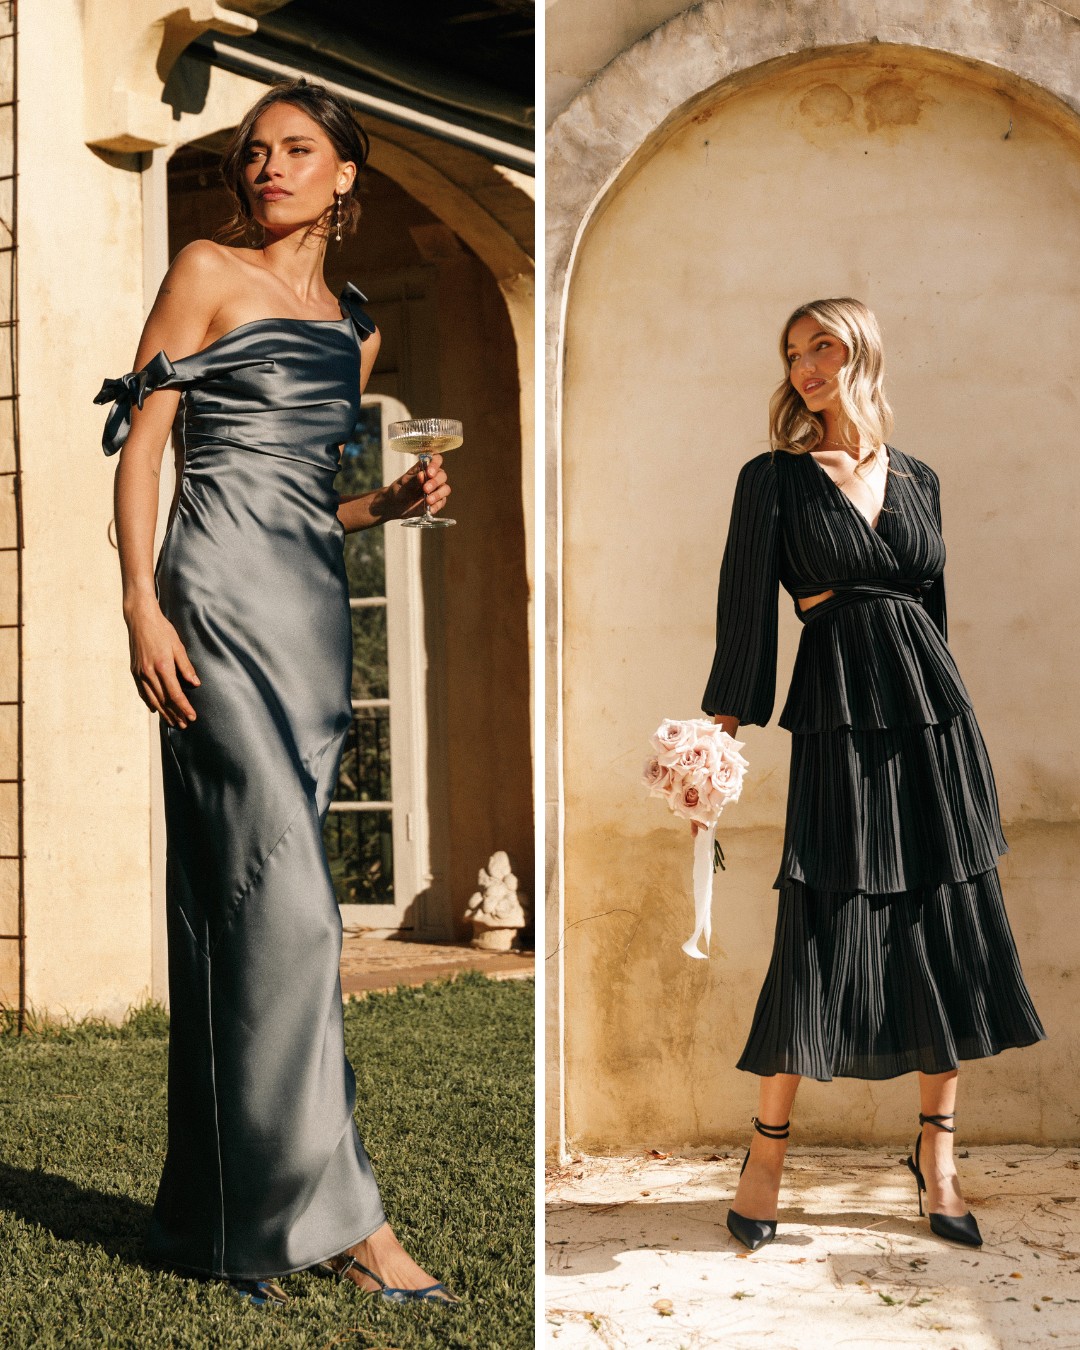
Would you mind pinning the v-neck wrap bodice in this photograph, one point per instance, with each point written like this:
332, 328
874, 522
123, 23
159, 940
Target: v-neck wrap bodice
891, 788
873, 654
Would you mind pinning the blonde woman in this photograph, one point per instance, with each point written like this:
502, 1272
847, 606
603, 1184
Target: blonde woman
892, 952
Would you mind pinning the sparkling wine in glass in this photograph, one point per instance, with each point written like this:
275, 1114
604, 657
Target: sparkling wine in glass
424, 437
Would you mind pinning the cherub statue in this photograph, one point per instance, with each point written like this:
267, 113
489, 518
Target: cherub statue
495, 911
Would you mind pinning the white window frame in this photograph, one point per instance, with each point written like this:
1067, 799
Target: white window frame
409, 743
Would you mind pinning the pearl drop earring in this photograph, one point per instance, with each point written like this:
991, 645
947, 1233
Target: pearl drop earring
337, 218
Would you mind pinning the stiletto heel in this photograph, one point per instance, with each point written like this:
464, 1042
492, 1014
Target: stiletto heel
260, 1293
755, 1233
962, 1228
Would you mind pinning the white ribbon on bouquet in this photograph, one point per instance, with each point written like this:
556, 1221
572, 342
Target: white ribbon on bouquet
697, 769
704, 845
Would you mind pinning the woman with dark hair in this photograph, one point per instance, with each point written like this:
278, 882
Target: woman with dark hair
240, 638
892, 953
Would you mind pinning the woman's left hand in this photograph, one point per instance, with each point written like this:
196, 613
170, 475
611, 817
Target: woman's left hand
418, 489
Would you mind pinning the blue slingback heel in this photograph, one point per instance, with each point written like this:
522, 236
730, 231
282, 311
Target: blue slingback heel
340, 1266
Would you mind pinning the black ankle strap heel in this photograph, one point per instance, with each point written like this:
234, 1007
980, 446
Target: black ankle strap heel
772, 1131
961, 1229
754, 1233
939, 1121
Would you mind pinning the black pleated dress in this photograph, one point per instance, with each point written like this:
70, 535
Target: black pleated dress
892, 952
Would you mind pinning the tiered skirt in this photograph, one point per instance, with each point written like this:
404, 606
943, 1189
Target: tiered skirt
892, 951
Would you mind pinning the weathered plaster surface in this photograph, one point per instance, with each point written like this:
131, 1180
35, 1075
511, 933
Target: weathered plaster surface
701, 209
86, 741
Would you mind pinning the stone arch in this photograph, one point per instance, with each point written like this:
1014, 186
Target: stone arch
655, 81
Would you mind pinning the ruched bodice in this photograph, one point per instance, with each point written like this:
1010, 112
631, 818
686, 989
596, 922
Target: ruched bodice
265, 1170
288, 387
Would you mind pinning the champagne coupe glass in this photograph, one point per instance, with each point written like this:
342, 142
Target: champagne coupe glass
425, 436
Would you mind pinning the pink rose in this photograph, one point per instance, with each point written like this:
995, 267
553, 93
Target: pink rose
671, 738
712, 801
726, 779
688, 803
693, 760
656, 777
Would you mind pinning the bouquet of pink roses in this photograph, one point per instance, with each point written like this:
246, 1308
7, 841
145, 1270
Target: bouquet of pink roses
697, 770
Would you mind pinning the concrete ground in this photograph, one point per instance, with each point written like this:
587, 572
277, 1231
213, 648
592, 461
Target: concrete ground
369, 963
639, 1255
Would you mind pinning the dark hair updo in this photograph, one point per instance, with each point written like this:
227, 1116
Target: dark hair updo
332, 114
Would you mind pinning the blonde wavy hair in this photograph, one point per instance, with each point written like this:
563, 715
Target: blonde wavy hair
792, 426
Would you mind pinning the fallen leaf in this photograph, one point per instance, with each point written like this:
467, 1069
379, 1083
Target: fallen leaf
665, 1307
741, 1293
655, 1153
1016, 1275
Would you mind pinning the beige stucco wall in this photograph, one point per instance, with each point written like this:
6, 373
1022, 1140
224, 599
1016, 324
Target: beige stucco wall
86, 747
889, 174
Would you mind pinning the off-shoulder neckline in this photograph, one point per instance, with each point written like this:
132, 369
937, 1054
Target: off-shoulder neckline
251, 323
348, 290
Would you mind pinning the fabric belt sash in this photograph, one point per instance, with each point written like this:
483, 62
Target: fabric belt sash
855, 592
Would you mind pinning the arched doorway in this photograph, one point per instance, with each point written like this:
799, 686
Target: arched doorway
909, 178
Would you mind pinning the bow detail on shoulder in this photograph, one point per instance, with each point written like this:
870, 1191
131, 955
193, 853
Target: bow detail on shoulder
127, 390
353, 298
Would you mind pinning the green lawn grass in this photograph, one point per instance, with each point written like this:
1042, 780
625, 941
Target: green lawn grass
445, 1108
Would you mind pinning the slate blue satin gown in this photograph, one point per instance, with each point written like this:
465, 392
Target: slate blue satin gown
892, 950
265, 1172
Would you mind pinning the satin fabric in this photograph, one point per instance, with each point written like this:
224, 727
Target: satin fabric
265, 1172
888, 875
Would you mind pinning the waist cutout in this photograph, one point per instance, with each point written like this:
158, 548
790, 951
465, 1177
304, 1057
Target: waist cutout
854, 592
